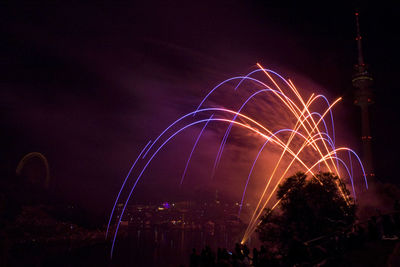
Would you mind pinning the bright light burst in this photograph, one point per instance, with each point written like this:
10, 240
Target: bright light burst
308, 136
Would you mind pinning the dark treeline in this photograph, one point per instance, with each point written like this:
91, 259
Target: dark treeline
326, 250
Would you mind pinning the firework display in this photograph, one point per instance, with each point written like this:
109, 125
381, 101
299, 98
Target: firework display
304, 141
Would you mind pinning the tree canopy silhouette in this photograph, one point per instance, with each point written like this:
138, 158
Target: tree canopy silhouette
310, 207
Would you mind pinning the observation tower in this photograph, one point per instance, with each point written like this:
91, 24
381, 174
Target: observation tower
362, 81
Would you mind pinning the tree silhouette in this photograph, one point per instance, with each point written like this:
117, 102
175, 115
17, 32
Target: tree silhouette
310, 207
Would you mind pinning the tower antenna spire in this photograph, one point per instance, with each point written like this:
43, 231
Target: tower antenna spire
362, 81
358, 39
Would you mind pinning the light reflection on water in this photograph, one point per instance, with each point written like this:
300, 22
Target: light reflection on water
170, 247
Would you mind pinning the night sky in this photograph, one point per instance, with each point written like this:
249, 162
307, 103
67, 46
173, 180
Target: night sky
89, 85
